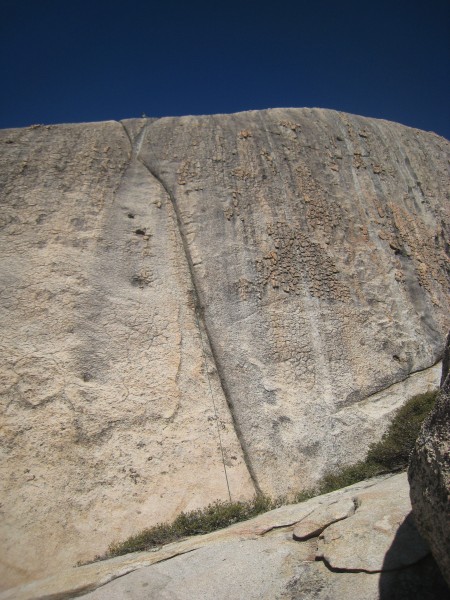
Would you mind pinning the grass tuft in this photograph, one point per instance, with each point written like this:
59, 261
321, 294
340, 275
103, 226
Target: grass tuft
217, 515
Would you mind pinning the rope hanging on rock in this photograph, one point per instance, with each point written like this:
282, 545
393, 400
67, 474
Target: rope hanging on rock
213, 402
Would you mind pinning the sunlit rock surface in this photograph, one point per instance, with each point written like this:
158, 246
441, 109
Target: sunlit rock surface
199, 306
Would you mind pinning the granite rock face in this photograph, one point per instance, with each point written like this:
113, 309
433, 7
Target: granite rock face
380, 557
109, 423
429, 475
317, 245
201, 306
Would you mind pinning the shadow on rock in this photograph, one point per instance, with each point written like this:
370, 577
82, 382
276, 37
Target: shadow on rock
401, 580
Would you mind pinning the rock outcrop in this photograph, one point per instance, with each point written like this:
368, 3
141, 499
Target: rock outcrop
429, 475
200, 307
366, 547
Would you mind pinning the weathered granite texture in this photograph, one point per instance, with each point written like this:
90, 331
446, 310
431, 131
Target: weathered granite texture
189, 300
108, 419
370, 551
429, 475
317, 245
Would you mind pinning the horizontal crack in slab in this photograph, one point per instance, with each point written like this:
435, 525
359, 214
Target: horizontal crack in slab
368, 571
318, 531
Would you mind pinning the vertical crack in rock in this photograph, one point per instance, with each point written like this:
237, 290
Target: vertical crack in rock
204, 333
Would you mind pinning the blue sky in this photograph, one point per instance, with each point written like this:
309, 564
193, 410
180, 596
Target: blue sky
77, 60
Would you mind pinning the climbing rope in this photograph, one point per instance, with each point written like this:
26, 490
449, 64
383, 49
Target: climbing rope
213, 402
137, 149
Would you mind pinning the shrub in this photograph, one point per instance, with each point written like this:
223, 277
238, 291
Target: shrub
196, 522
392, 452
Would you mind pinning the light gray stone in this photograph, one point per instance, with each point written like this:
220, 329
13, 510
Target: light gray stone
108, 421
191, 303
362, 543
326, 276
322, 517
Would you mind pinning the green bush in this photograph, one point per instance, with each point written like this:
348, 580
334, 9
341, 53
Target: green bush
391, 453
393, 450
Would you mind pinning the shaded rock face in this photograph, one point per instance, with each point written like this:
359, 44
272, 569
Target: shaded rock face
202, 306
366, 546
429, 475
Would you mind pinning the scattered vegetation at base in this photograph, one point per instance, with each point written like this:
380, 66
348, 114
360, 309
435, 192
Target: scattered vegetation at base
196, 522
390, 454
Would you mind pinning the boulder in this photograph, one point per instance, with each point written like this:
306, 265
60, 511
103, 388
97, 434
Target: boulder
429, 475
